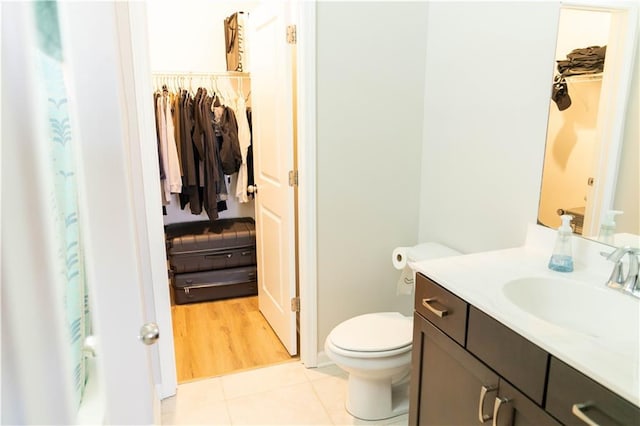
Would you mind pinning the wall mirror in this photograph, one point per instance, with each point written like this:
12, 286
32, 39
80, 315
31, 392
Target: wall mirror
586, 145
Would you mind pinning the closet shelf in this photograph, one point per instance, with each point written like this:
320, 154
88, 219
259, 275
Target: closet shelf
236, 74
584, 77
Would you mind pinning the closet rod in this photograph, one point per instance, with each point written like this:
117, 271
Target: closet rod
577, 78
235, 74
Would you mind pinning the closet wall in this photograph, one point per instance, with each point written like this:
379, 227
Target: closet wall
189, 37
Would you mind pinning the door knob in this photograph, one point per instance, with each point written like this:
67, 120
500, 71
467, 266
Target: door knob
149, 333
252, 189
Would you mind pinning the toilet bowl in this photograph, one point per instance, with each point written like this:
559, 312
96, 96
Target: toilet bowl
375, 349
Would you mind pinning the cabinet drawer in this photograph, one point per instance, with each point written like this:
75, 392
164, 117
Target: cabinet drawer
512, 356
441, 308
568, 386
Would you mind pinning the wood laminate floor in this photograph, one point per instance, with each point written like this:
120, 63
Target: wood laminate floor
221, 337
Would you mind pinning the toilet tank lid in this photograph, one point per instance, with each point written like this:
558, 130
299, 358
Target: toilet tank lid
377, 332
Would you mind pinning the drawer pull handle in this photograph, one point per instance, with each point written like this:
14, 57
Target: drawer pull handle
496, 408
427, 304
484, 390
578, 411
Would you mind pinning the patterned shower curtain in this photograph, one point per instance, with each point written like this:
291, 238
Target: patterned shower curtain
65, 197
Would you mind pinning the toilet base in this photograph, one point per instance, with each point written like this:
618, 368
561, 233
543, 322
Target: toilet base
377, 399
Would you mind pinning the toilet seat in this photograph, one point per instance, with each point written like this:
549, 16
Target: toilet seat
371, 335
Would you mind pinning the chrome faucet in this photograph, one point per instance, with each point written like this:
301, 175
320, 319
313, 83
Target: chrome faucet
629, 283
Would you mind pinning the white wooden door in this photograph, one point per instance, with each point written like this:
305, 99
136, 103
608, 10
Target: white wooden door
272, 106
114, 269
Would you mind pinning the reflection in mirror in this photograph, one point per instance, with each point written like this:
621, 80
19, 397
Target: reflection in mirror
586, 125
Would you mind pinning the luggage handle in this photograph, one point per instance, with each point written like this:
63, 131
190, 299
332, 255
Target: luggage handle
211, 256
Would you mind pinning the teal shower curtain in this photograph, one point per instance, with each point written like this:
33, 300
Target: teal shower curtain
65, 197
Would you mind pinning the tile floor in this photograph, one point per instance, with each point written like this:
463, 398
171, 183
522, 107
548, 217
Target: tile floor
284, 394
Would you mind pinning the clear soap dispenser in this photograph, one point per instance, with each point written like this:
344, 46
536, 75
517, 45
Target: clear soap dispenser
608, 227
562, 258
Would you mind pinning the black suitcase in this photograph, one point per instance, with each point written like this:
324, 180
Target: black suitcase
207, 245
214, 285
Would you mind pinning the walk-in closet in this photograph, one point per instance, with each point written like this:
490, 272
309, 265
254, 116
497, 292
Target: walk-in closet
205, 97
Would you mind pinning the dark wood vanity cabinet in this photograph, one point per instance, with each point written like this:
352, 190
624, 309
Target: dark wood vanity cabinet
453, 385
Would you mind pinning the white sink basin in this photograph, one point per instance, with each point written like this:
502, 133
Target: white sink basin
600, 312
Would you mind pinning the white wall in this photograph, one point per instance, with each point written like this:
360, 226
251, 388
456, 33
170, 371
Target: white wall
370, 73
486, 104
188, 36
581, 28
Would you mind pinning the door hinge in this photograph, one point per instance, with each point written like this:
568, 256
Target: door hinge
295, 304
293, 178
292, 37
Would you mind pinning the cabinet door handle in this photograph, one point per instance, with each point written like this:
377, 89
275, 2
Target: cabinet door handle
427, 304
484, 390
577, 410
496, 408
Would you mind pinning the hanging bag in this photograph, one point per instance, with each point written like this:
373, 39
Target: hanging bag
560, 93
234, 42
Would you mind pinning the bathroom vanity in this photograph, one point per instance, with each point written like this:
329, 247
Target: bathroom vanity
480, 358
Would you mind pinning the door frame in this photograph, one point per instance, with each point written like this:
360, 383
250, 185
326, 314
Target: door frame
307, 215
131, 23
306, 160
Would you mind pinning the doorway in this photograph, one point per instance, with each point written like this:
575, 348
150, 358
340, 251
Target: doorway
183, 49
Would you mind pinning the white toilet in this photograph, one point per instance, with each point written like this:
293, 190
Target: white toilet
375, 349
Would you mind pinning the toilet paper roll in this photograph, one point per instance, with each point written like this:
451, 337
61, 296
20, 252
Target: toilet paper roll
403, 256
399, 257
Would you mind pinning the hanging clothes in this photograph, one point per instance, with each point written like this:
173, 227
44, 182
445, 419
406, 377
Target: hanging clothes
199, 141
244, 141
172, 183
191, 192
250, 176
226, 128
215, 190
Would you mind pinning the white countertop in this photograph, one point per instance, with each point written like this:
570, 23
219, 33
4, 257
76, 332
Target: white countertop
612, 360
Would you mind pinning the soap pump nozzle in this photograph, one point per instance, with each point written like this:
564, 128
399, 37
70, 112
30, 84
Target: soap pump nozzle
566, 223
608, 226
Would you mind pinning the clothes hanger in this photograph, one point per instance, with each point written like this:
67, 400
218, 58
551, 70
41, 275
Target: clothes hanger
219, 98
